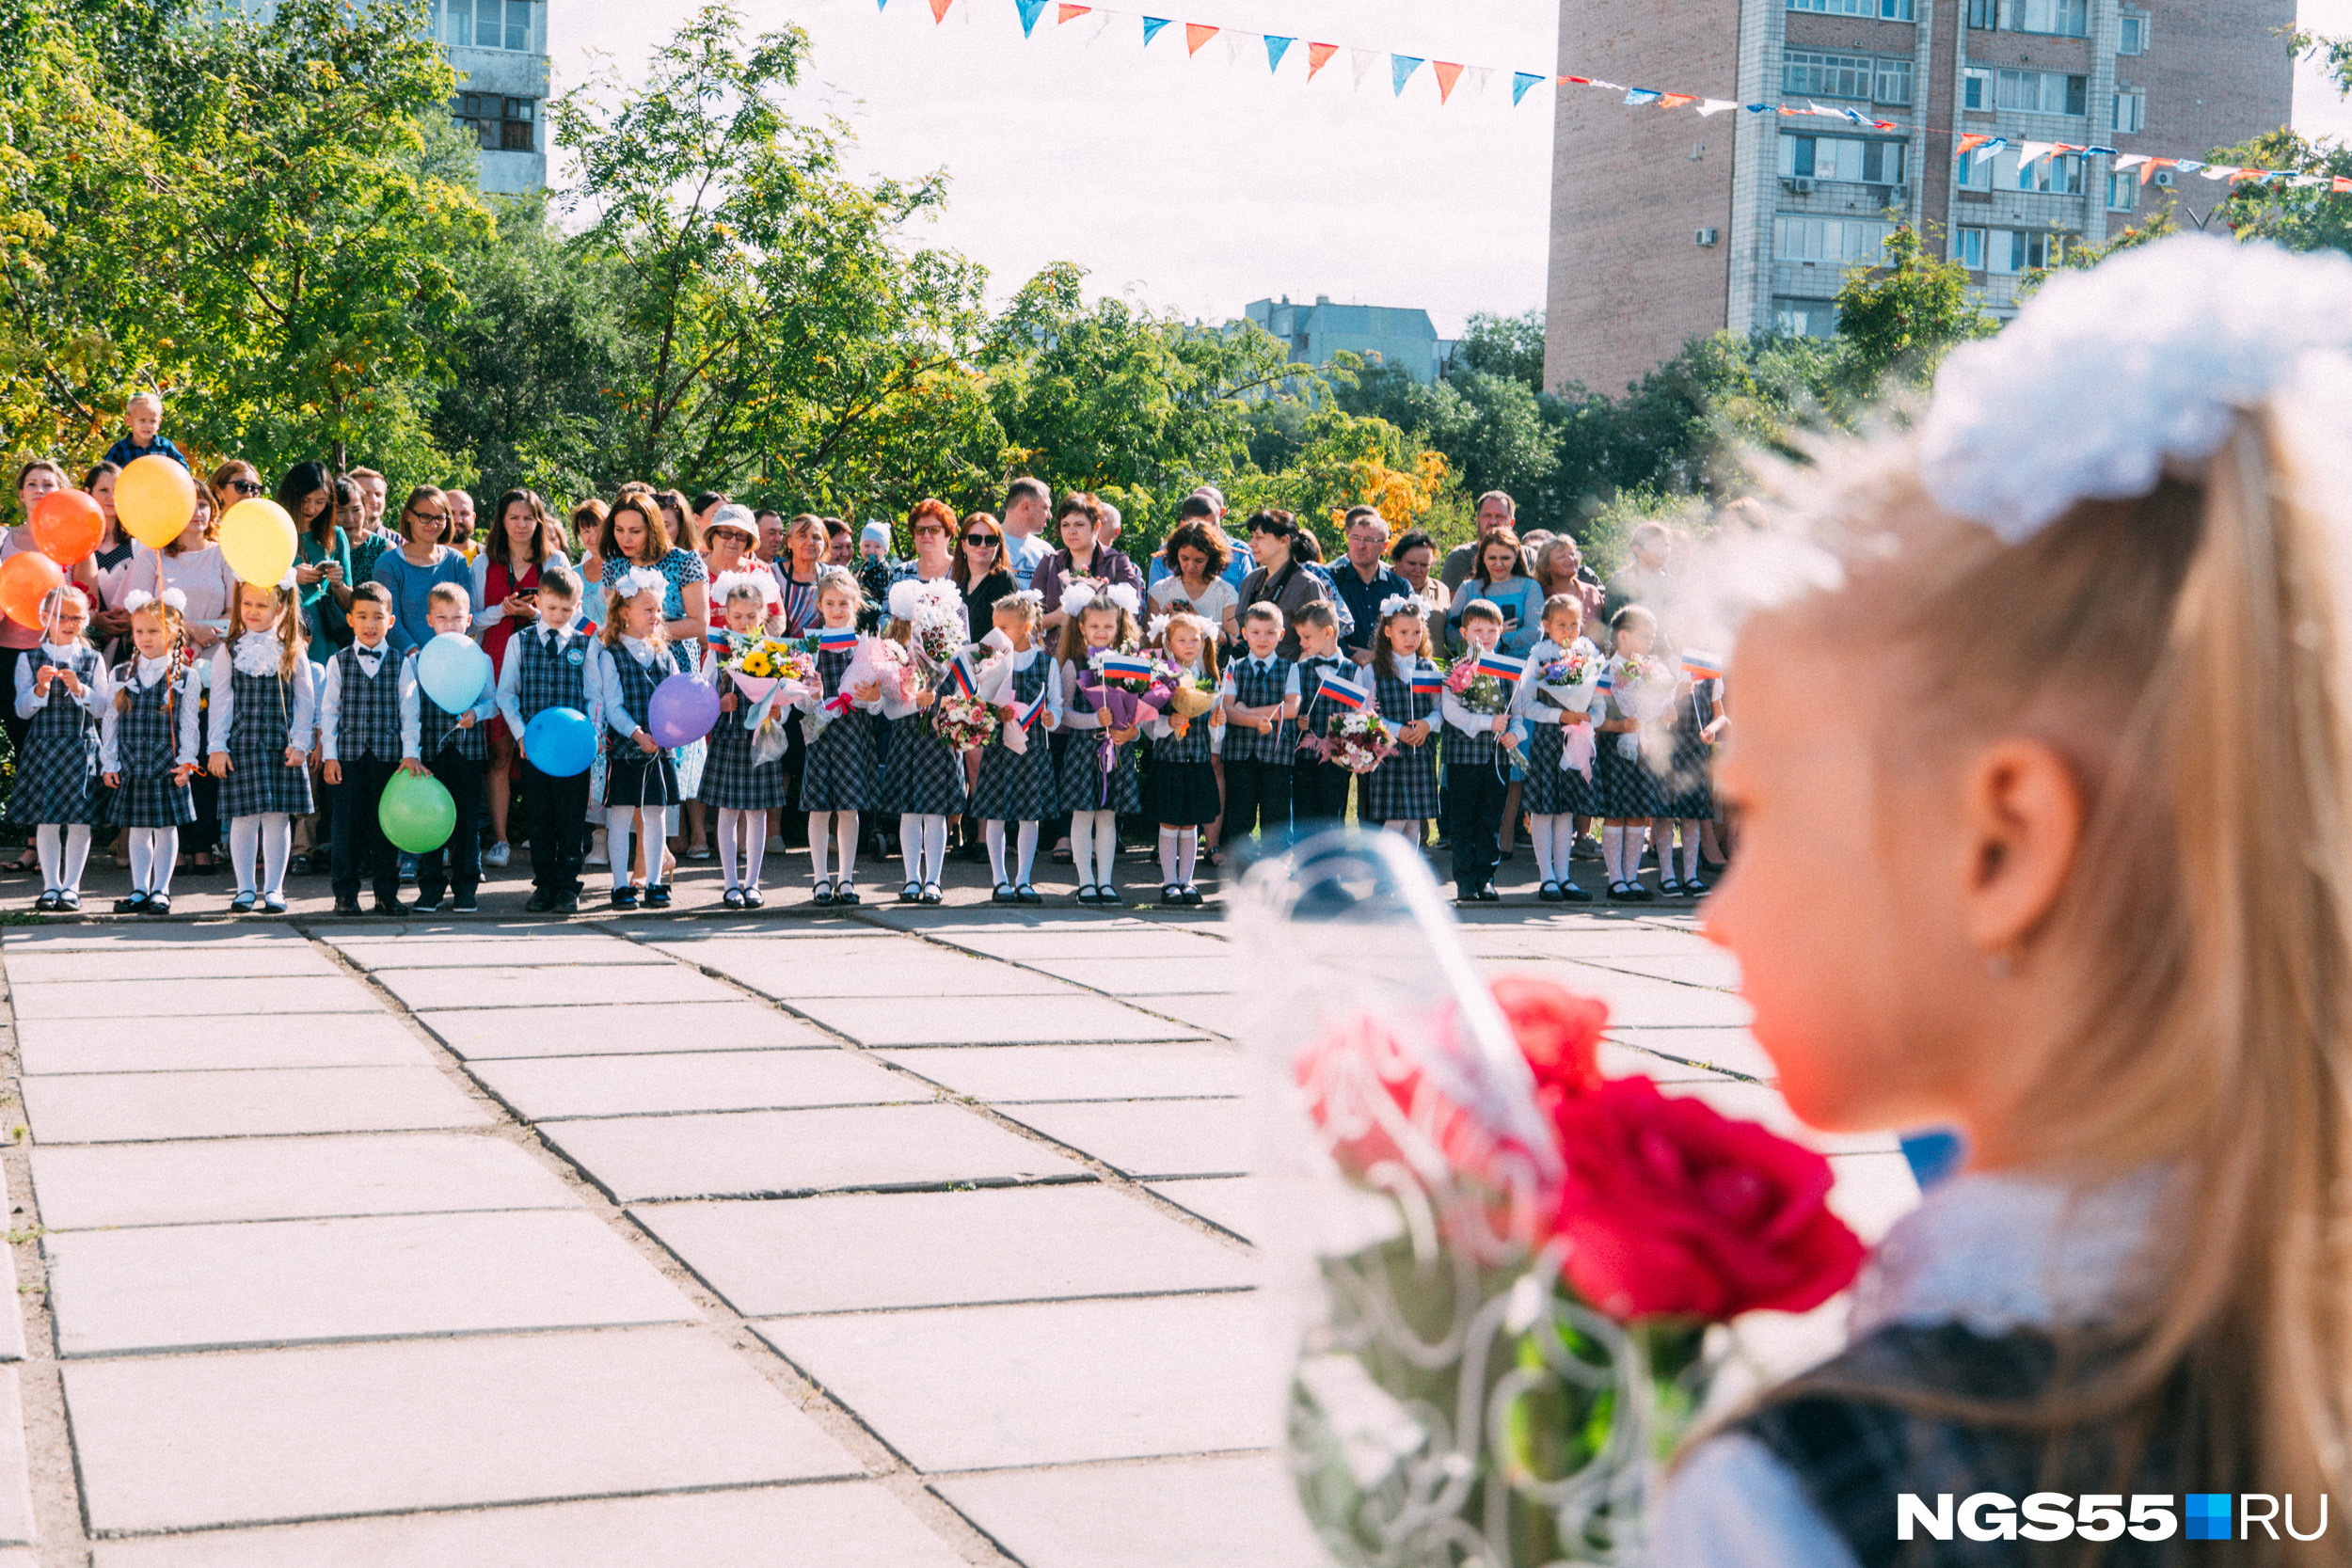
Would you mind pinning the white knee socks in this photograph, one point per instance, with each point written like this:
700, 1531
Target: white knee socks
1093, 846
841, 827
1554, 839
743, 832
1178, 848
724, 832
619, 822
153, 852
1025, 846
1690, 830
1539, 840
268, 837
1613, 852
63, 853
994, 832
923, 842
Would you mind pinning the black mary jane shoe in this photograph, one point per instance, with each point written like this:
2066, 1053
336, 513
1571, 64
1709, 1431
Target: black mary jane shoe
823, 898
1549, 893
157, 903
931, 893
243, 903
1571, 894
910, 894
1192, 897
1670, 887
1087, 894
1028, 895
732, 898
1171, 897
624, 898
69, 902
753, 898
273, 904
846, 894
1005, 894
1638, 892
1694, 887
135, 904
658, 895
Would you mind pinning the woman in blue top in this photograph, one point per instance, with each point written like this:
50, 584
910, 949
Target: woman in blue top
312, 498
1500, 578
422, 564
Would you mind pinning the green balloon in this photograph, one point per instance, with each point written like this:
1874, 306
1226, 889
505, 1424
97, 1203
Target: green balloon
417, 815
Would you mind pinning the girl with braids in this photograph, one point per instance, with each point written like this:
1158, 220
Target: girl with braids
147, 745
264, 711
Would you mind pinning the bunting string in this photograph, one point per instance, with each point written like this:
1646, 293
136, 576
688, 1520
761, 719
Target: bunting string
1447, 74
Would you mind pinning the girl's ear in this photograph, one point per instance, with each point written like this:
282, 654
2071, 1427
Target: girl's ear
2023, 816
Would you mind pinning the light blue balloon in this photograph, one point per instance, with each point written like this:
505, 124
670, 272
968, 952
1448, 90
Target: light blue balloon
453, 671
559, 742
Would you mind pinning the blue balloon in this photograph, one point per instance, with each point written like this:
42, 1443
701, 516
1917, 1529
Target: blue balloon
453, 671
559, 742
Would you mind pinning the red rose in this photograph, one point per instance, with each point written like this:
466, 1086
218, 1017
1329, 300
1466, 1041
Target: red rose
1558, 1031
1672, 1209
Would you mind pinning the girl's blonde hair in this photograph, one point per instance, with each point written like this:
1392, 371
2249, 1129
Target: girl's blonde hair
840, 580
175, 624
2184, 652
1208, 640
1074, 638
288, 628
611, 632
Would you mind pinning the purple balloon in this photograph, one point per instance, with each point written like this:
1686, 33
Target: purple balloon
683, 710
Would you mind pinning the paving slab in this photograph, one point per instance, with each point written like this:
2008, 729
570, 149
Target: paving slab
189, 1441
1706, 966
1181, 974
1636, 1001
1618, 1061
559, 987
69, 1045
1162, 1513
16, 1498
927, 972
492, 952
1585, 937
1731, 1050
1235, 1203
544, 1087
93, 1186
1761, 1102
1223, 1015
789, 1153
728, 952
866, 1252
768, 928
1148, 1139
987, 1019
1138, 941
125, 1107
285, 1282
222, 999
128, 934
828, 1524
177, 962
984, 1388
1187, 1070
491, 1034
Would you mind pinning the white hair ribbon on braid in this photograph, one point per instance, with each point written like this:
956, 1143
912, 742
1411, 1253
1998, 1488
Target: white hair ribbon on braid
642, 579
2107, 375
1156, 629
1077, 596
139, 599
1123, 595
904, 599
1403, 604
730, 583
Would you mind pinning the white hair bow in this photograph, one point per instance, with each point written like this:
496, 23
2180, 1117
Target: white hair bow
1399, 604
905, 597
1157, 629
1077, 596
643, 579
729, 582
1123, 595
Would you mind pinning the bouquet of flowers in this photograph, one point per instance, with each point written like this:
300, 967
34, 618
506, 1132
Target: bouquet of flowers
1358, 742
774, 673
1190, 694
962, 722
1479, 693
1645, 686
1124, 685
1511, 1265
933, 613
1568, 682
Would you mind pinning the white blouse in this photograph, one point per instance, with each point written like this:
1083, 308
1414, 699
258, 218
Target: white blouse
144, 674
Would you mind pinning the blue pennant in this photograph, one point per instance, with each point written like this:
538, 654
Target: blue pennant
1274, 49
1520, 81
1400, 68
1030, 11
1151, 26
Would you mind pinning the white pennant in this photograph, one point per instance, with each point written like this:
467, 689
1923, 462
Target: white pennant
2032, 153
1715, 106
1479, 76
2130, 160
1101, 24
1233, 42
1362, 60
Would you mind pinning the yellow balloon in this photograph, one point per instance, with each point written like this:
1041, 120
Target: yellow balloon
155, 497
257, 539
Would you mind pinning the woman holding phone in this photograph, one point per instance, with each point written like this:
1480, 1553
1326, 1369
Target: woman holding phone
522, 541
1499, 577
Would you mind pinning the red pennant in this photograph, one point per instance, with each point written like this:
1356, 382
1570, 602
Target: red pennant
2339, 185
1970, 142
1676, 99
2148, 170
1448, 73
1063, 14
1197, 34
1319, 56
939, 10
1579, 81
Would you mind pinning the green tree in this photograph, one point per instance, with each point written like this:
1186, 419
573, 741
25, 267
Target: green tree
2300, 217
1511, 347
1898, 320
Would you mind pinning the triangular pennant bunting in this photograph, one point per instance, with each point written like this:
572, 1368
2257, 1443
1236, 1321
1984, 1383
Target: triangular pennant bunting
1234, 43
1520, 81
1448, 73
1030, 11
1274, 49
1969, 144
1318, 55
1636, 97
1481, 78
1362, 61
1068, 14
1401, 68
1714, 106
1197, 34
1151, 26
1676, 100
939, 10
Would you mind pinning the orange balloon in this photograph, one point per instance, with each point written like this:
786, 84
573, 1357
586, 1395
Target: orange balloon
26, 579
155, 497
67, 525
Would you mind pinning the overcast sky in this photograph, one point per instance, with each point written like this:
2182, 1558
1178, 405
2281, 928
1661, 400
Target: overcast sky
1201, 184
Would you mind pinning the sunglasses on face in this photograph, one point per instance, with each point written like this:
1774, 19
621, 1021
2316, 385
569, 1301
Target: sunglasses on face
980, 539
245, 487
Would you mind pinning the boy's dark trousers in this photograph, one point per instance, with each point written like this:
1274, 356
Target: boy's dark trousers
459, 862
1257, 796
358, 841
557, 812
1475, 820
1318, 791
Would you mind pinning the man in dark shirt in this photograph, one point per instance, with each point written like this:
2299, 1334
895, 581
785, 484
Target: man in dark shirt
1365, 582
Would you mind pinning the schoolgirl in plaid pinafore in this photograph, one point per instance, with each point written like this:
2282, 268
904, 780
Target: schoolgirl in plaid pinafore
632, 778
1256, 687
147, 743
368, 718
1405, 788
1551, 790
56, 768
261, 713
1181, 791
923, 777
839, 772
733, 779
1086, 784
1625, 786
1018, 788
1689, 791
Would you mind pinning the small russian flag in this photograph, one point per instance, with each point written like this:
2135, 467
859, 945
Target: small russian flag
960, 672
1702, 667
1126, 667
1500, 666
1346, 694
1027, 715
1428, 680
837, 640
1608, 683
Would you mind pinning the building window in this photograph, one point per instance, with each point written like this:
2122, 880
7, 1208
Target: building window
1976, 170
1805, 318
2043, 92
492, 24
1827, 75
2122, 192
1968, 249
1893, 84
498, 124
2132, 37
2131, 109
1983, 14
1976, 90
1847, 158
1885, 10
2067, 18
1839, 240
2061, 173
2016, 251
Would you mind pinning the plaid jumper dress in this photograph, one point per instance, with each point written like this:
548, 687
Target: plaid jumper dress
923, 777
733, 780
632, 779
1018, 788
1181, 791
56, 769
1690, 792
839, 772
1623, 786
259, 780
146, 738
1086, 784
1552, 790
1405, 788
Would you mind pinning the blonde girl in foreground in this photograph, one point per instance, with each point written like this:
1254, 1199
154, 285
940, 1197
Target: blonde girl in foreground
2067, 864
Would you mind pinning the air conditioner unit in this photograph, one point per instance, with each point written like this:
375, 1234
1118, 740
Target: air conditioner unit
2164, 178
1803, 187
1703, 236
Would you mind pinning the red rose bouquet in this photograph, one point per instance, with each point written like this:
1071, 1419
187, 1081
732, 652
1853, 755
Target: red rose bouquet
1497, 1373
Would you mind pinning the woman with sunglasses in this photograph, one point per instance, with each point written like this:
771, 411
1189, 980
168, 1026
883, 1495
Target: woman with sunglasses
982, 569
422, 564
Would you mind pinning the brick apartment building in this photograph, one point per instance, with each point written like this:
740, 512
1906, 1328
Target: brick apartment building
1666, 226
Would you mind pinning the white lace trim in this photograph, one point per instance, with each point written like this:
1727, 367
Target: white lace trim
1998, 1253
256, 653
